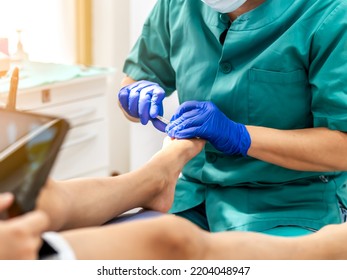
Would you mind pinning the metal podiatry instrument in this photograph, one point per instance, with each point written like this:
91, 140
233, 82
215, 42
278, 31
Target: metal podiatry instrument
162, 119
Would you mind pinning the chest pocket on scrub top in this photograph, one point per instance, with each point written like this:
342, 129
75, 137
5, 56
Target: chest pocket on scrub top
279, 99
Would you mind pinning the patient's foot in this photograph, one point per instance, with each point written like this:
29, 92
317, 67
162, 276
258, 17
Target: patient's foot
166, 165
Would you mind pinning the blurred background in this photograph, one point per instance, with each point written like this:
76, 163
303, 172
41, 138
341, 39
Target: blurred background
86, 32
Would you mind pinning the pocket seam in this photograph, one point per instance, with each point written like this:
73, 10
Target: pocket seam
276, 77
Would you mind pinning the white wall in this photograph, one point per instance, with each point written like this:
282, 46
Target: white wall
110, 47
139, 10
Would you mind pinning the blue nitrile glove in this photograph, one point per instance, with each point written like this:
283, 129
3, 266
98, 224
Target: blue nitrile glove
204, 120
143, 100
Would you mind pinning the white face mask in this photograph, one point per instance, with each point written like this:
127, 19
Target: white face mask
224, 6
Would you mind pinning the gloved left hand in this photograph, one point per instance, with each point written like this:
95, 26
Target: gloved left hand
143, 100
204, 120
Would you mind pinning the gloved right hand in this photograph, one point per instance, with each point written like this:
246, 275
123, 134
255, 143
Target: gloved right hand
143, 100
203, 119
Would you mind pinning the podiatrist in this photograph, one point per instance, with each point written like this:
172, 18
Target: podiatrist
265, 82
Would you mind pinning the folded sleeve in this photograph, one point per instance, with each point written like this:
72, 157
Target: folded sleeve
149, 58
328, 71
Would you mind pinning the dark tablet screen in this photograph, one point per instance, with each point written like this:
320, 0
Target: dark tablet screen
29, 144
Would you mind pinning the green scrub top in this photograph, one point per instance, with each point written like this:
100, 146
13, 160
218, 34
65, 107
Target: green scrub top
282, 65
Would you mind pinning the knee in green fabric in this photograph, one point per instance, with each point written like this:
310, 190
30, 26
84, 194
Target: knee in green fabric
196, 215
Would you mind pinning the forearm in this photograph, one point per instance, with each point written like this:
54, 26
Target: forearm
315, 149
127, 81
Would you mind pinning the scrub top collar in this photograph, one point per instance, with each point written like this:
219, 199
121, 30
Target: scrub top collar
263, 15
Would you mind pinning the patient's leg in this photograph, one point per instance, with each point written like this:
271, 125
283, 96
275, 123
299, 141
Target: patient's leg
166, 237
328, 243
171, 237
87, 202
249, 245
